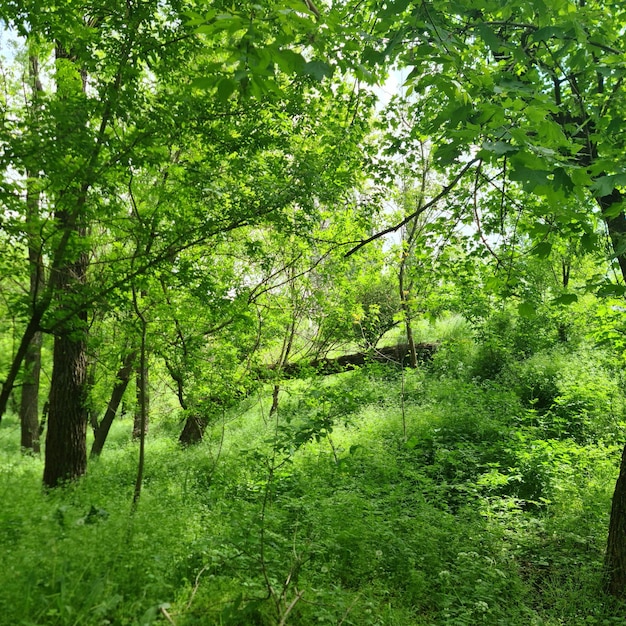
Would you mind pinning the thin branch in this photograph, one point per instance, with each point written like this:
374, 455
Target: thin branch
477, 217
288, 610
534, 27
196, 586
167, 616
442, 194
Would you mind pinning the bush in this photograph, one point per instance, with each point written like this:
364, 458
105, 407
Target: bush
570, 395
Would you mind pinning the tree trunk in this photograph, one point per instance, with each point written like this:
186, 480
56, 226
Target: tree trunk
122, 379
615, 559
406, 311
66, 439
193, 431
195, 425
29, 404
142, 407
7, 386
284, 356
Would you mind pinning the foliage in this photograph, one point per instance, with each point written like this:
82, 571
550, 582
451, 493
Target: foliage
202, 176
571, 396
378, 305
476, 516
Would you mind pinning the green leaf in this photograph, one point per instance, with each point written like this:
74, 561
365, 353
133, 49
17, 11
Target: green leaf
611, 291
566, 299
536, 114
318, 70
499, 147
297, 6
225, 88
447, 153
614, 210
542, 249
204, 82
394, 8
530, 178
526, 309
289, 62
489, 37
587, 242
539, 229
580, 176
412, 442
371, 56
604, 185
548, 32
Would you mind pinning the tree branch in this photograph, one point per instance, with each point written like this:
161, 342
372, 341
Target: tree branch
442, 194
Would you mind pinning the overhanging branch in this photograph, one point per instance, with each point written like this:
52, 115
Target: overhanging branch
442, 194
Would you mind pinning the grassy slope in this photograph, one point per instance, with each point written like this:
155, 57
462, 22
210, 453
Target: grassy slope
435, 500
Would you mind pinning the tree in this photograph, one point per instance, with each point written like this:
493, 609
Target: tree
535, 92
121, 100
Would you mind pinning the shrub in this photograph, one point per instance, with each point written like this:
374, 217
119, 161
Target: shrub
570, 394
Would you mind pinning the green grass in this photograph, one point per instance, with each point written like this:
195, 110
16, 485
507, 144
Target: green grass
371, 498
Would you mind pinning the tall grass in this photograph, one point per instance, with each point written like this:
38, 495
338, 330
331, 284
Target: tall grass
371, 497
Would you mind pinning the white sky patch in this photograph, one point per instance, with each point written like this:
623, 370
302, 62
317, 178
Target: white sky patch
394, 85
10, 43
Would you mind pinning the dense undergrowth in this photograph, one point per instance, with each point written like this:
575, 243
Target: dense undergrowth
472, 491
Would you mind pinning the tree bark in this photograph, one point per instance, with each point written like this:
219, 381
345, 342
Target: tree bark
615, 559
406, 311
143, 406
29, 404
122, 379
66, 439
141, 418
195, 425
193, 431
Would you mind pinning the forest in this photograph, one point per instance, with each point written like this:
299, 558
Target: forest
312, 312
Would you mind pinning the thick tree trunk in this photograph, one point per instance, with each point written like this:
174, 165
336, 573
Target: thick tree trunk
66, 439
68, 412
615, 559
395, 355
122, 379
193, 431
